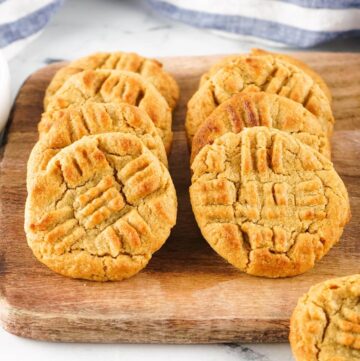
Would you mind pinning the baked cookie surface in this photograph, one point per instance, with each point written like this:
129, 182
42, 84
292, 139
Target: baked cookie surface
101, 208
261, 109
115, 86
325, 325
267, 203
61, 128
150, 69
228, 59
258, 73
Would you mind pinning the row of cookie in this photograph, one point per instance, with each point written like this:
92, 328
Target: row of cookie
264, 193
100, 199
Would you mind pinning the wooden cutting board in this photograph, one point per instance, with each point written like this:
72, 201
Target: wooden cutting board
187, 294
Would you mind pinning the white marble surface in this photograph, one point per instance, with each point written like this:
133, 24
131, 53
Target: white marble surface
83, 26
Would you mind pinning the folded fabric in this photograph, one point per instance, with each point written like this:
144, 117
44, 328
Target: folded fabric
300, 23
22, 20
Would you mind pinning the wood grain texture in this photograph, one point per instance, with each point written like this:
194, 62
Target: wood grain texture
187, 294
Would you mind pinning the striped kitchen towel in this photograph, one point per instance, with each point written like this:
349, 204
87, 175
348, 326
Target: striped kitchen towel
300, 23
22, 20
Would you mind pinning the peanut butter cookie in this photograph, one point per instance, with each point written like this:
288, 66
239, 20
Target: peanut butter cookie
260, 108
258, 52
300, 64
60, 128
325, 325
108, 86
150, 69
266, 202
258, 73
101, 208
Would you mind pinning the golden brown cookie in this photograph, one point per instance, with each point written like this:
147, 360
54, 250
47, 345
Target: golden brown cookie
325, 325
260, 108
108, 86
266, 202
300, 64
258, 73
150, 69
60, 128
258, 52
101, 208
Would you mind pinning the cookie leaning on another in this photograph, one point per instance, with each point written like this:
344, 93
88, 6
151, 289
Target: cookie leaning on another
60, 128
325, 325
258, 73
101, 208
261, 109
300, 64
267, 203
229, 59
150, 69
113, 86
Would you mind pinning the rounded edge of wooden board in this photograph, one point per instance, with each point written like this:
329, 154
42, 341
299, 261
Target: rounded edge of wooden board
71, 328
52, 68
66, 327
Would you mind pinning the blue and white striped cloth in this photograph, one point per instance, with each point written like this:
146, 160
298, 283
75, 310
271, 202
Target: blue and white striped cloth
299, 23
21, 21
